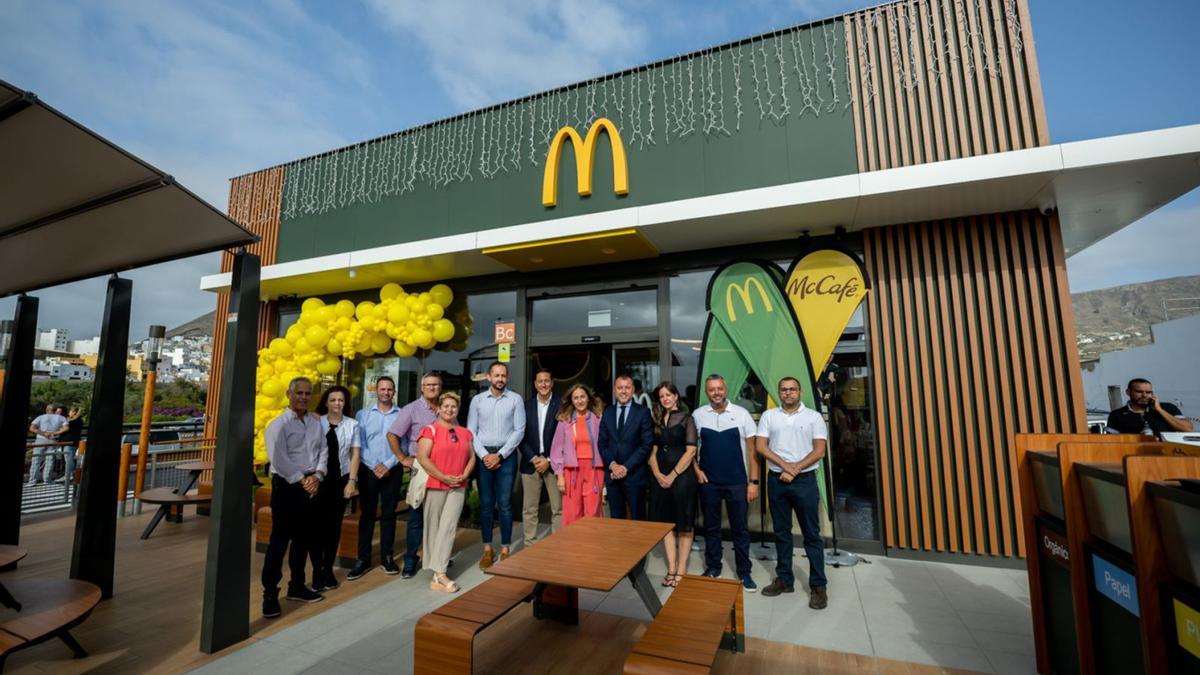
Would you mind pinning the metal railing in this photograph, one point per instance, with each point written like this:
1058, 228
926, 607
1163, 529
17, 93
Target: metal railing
65, 465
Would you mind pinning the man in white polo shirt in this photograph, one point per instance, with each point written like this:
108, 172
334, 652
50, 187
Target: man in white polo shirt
793, 438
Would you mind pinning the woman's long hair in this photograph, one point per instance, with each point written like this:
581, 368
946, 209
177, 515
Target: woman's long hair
659, 412
567, 406
323, 406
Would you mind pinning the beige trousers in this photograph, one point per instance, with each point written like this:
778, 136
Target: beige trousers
442, 510
532, 483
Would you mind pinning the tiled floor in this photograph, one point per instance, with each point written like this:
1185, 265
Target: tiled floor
955, 616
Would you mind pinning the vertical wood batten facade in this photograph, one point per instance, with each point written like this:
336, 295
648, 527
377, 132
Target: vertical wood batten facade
255, 202
942, 79
970, 322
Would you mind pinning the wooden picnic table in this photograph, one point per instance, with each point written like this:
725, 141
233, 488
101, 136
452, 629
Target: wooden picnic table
592, 553
167, 498
8, 556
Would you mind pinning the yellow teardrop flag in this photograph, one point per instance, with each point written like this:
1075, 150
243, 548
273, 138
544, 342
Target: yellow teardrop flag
824, 289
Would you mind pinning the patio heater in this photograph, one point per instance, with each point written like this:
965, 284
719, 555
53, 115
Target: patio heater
151, 353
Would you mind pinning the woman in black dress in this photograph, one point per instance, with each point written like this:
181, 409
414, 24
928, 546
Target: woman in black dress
673, 492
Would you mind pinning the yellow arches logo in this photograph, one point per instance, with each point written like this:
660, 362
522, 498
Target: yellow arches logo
585, 156
743, 291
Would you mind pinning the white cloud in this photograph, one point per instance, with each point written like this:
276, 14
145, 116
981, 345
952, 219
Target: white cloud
486, 52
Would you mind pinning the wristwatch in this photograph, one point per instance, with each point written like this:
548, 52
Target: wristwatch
754, 481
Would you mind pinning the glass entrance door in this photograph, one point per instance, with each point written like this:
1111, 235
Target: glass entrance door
641, 362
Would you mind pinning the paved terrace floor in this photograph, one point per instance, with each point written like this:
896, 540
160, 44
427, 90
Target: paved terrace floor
888, 616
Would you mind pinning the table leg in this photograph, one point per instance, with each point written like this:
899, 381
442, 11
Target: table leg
191, 483
162, 511
556, 603
8, 600
645, 589
69, 641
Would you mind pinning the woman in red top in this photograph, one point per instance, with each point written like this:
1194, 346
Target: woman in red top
574, 457
444, 451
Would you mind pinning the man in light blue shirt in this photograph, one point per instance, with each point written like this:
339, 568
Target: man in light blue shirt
378, 485
497, 424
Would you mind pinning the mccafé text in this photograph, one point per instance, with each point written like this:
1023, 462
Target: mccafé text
826, 285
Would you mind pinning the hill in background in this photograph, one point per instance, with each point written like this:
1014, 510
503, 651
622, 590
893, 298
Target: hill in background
1112, 319
201, 326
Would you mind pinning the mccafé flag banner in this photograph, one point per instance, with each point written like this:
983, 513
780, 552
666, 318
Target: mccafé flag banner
759, 324
824, 288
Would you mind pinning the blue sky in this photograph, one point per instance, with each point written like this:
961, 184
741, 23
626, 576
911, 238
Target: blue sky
211, 90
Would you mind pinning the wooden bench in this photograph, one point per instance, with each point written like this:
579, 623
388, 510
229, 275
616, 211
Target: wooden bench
702, 616
444, 638
167, 499
50, 609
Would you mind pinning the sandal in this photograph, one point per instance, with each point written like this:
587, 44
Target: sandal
674, 580
669, 580
447, 587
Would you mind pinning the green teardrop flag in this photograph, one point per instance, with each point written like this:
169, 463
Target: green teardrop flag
746, 300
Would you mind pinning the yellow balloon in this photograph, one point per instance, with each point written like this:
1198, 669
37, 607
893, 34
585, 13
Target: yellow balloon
442, 294
293, 333
303, 346
281, 347
390, 291
311, 304
425, 298
272, 388
398, 313
364, 343
334, 347
434, 311
329, 367
364, 309
317, 336
403, 349
443, 330
344, 309
380, 344
324, 315
422, 337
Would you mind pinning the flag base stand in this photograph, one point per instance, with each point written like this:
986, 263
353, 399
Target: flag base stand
836, 558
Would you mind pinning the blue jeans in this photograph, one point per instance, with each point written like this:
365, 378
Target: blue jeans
495, 492
802, 496
413, 535
734, 496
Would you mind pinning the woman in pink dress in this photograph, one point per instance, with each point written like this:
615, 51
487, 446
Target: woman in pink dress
574, 457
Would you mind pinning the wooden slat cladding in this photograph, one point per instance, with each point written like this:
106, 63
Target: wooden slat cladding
943, 79
972, 341
255, 201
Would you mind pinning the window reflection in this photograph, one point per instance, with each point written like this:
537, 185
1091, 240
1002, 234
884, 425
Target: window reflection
596, 312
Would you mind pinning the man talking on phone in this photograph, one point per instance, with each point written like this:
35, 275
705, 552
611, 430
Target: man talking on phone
1145, 414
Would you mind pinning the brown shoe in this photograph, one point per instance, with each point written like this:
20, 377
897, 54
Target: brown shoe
818, 599
486, 560
502, 555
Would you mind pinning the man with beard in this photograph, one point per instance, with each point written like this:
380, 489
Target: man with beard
497, 425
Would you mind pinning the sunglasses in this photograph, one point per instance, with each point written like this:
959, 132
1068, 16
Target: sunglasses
453, 436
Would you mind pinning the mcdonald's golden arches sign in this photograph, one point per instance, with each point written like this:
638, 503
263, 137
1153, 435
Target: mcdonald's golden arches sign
585, 156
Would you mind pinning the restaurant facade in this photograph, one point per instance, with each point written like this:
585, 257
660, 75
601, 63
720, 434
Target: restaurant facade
581, 228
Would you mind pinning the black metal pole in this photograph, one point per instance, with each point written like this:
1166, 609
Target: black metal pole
14, 417
226, 616
94, 554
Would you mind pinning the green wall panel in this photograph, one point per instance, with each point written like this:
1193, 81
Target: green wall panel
375, 195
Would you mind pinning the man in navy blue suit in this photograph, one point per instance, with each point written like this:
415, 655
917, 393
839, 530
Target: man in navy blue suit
540, 422
626, 433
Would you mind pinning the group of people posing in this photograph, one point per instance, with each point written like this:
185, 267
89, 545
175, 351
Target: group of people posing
660, 463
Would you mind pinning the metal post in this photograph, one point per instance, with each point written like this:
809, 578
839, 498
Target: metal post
93, 556
152, 352
14, 416
226, 615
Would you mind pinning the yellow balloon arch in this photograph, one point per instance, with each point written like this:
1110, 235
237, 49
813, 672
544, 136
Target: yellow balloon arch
400, 322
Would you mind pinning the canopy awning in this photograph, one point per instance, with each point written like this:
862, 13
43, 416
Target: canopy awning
74, 206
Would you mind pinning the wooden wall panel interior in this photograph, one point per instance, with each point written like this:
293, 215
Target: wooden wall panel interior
958, 373
939, 79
